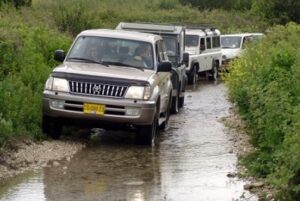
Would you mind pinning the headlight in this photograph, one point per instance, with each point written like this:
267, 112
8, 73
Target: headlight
57, 84
49, 82
138, 92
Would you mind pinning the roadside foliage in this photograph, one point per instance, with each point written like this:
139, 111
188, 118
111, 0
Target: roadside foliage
26, 59
265, 85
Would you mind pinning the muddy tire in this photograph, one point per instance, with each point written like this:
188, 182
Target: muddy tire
165, 124
213, 73
181, 102
192, 78
146, 135
51, 127
175, 105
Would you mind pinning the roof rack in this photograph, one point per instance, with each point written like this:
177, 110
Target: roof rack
162, 28
200, 26
148, 26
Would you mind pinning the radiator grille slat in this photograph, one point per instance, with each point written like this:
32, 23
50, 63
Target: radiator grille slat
97, 89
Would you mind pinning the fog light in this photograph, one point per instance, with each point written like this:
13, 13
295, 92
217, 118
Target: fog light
132, 111
58, 104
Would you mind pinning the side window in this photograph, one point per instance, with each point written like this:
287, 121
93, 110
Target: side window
216, 41
208, 43
202, 45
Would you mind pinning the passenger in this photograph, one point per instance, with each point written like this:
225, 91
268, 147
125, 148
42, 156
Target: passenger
143, 54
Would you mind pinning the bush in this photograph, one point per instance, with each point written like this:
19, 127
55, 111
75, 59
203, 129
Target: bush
16, 3
278, 11
75, 16
26, 60
265, 85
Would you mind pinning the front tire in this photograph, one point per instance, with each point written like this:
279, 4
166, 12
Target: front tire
181, 102
146, 135
175, 105
214, 73
165, 124
52, 127
192, 78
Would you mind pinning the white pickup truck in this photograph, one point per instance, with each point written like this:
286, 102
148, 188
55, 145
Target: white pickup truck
203, 46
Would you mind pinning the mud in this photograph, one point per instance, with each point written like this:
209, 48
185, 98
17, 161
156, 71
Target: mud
193, 160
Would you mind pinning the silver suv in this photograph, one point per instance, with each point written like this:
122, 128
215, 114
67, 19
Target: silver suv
110, 79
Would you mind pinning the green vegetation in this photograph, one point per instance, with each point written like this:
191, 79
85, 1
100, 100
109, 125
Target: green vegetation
265, 84
25, 62
274, 11
74, 16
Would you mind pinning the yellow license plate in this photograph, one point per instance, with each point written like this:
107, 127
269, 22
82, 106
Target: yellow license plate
90, 108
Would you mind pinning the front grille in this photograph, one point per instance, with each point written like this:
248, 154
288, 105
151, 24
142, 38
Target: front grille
97, 89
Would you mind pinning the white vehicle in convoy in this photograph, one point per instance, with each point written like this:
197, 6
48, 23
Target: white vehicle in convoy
203, 46
234, 44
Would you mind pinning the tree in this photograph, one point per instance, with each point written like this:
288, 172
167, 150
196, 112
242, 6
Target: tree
224, 4
278, 11
17, 3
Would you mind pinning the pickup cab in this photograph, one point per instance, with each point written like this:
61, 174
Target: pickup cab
110, 79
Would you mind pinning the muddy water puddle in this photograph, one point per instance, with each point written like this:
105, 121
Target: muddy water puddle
190, 162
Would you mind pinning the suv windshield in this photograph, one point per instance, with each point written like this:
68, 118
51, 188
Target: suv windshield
171, 47
114, 51
231, 41
191, 40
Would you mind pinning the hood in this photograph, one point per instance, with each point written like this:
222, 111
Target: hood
191, 50
231, 53
113, 72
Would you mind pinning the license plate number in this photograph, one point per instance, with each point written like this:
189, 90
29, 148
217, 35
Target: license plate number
90, 108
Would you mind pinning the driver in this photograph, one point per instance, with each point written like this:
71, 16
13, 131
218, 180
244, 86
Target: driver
142, 53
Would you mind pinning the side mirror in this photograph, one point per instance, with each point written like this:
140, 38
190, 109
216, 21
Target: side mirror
186, 58
165, 66
59, 55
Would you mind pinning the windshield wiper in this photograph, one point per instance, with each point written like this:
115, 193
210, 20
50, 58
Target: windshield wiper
88, 60
123, 64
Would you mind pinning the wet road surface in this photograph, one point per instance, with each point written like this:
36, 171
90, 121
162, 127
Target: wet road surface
190, 162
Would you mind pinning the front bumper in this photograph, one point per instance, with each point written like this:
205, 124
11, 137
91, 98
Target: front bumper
116, 108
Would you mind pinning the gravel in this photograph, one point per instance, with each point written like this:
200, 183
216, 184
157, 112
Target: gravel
241, 146
30, 155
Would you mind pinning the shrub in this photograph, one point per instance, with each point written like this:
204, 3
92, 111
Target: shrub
25, 62
265, 85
